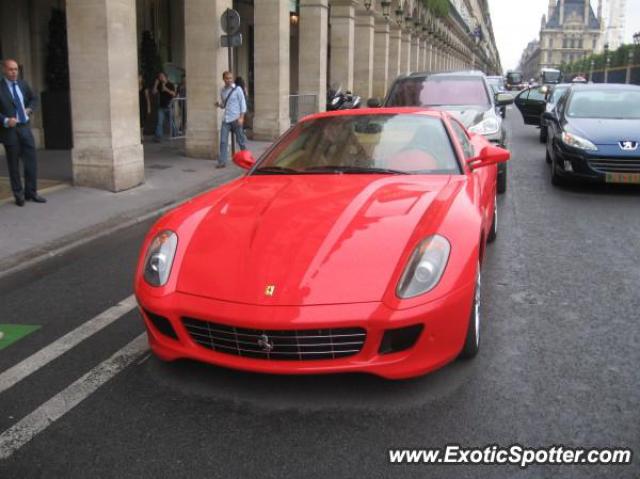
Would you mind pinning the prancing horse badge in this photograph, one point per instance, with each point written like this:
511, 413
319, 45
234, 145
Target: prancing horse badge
269, 290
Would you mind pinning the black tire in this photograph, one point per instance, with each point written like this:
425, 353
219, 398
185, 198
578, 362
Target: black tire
547, 156
556, 179
502, 180
493, 232
472, 341
543, 134
503, 113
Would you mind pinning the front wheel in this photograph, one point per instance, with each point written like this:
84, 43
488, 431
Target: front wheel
493, 233
556, 179
472, 341
502, 179
543, 134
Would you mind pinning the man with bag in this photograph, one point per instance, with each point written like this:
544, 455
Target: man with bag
235, 106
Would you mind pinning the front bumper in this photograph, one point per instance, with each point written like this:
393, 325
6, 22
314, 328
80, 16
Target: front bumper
445, 323
603, 166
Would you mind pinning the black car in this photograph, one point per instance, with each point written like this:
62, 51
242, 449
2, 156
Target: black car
594, 134
533, 102
497, 85
466, 95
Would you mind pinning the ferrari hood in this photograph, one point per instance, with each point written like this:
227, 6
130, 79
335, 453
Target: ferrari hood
309, 239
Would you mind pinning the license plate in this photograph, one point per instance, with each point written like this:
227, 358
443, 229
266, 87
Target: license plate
632, 178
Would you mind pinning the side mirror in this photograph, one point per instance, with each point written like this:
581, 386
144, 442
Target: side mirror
374, 102
244, 159
503, 99
489, 155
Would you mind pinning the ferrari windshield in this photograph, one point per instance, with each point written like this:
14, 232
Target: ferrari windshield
613, 104
440, 91
364, 144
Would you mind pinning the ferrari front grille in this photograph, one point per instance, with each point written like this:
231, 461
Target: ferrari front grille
290, 345
615, 165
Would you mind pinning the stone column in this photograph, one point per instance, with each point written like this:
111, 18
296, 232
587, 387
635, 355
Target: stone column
312, 68
342, 42
415, 53
205, 61
271, 40
405, 56
395, 52
363, 53
423, 54
382, 59
103, 71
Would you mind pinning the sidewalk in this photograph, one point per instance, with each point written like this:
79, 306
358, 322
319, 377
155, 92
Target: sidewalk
75, 215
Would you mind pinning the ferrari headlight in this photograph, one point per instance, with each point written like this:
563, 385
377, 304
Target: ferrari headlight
488, 126
425, 267
577, 142
159, 258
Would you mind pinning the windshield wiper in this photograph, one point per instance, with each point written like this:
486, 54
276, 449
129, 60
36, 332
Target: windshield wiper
353, 170
275, 170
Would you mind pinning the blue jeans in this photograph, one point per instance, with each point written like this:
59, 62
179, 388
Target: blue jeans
224, 139
162, 114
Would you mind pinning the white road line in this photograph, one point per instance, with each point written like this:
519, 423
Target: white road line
37, 360
18, 435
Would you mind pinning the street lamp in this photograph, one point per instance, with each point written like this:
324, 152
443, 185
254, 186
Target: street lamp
386, 8
636, 39
399, 14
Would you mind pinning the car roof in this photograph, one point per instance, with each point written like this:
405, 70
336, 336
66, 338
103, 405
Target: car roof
378, 111
471, 73
604, 86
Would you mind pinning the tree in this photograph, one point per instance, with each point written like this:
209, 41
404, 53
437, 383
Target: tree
440, 8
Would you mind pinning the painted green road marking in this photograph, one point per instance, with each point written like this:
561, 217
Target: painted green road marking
10, 333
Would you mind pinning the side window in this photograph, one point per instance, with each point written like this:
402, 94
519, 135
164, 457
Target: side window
467, 147
561, 102
523, 95
536, 94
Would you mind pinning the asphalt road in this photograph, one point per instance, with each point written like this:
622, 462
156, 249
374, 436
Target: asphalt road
558, 364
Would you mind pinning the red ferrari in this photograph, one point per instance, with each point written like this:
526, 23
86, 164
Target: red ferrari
355, 243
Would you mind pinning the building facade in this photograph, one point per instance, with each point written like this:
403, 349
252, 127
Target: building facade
571, 31
291, 50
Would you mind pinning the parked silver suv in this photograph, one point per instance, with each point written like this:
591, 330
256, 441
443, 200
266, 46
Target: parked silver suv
466, 95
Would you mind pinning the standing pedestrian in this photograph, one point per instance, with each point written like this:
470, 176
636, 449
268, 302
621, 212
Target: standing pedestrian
165, 91
17, 104
235, 106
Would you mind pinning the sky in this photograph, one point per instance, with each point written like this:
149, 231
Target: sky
517, 22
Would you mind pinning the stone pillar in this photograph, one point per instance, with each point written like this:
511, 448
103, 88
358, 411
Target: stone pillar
430, 54
405, 56
423, 54
382, 59
342, 42
205, 61
103, 71
363, 53
312, 69
395, 52
415, 53
271, 40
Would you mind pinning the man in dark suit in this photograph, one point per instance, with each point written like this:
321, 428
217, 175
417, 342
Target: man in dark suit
17, 103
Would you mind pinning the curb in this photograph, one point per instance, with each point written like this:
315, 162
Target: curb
58, 247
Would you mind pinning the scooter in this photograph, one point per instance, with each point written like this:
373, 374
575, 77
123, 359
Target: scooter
339, 100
